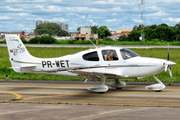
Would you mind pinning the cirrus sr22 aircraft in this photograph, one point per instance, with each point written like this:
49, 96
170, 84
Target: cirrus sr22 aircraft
93, 64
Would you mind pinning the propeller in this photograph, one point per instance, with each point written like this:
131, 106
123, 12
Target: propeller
167, 65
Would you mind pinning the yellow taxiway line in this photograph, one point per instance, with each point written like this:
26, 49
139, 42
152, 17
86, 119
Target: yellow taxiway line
17, 95
93, 94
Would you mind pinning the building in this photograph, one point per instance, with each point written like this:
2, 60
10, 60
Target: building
85, 34
65, 27
115, 36
46, 21
38, 22
21, 35
85, 30
2, 37
59, 23
123, 32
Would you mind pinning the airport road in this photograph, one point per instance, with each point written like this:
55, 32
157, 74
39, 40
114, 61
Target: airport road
19, 100
91, 46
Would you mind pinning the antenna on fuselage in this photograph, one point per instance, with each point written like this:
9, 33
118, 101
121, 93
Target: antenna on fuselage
93, 44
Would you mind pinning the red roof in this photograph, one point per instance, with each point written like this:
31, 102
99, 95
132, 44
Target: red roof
22, 35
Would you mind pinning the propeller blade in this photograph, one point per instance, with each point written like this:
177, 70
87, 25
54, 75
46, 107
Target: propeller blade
170, 73
166, 67
85, 80
168, 52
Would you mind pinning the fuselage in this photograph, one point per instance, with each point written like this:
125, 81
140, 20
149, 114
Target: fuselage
123, 62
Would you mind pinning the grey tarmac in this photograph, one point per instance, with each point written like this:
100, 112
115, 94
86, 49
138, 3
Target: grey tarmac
31, 111
60, 100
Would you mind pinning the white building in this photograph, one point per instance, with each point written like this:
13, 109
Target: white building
85, 34
46, 21
65, 27
38, 22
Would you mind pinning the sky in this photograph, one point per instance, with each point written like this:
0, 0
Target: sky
21, 15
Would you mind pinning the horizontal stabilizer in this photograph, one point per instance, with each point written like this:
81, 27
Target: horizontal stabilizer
25, 66
29, 62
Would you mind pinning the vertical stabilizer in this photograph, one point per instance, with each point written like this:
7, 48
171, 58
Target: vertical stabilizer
17, 51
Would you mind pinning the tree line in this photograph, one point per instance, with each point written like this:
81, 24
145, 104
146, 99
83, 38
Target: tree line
50, 29
161, 32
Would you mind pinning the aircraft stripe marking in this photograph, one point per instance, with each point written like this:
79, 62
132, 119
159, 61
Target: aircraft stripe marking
78, 68
17, 95
49, 96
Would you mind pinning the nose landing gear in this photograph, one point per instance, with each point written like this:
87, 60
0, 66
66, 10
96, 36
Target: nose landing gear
156, 87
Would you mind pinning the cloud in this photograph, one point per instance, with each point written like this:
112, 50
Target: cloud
10, 1
137, 20
23, 14
4, 17
112, 2
112, 20
152, 8
156, 14
170, 19
114, 14
13, 9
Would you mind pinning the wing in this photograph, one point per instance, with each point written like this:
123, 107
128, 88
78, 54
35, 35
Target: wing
94, 74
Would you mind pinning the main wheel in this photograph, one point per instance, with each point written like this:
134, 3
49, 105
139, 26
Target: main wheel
119, 88
101, 92
157, 90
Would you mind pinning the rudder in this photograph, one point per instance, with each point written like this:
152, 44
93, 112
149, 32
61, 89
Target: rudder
17, 51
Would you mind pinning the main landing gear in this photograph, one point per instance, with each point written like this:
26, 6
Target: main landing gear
156, 87
102, 88
117, 84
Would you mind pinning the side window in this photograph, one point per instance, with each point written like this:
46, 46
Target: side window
127, 54
109, 55
93, 56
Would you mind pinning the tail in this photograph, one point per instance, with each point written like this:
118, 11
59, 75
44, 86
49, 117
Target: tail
19, 56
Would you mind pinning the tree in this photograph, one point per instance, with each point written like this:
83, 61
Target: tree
138, 27
107, 39
63, 33
24, 40
48, 28
153, 26
23, 32
94, 29
43, 40
135, 27
122, 38
78, 30
100, 33
163, 24
134, 35
105, 31
177, 26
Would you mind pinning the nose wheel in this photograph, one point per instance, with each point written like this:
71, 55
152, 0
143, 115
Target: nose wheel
156, 87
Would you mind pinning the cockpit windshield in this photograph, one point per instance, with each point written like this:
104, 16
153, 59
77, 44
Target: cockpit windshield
127, 54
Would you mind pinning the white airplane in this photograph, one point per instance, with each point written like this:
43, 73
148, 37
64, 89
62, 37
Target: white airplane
93, 64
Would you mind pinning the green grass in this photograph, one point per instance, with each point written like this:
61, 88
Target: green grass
101, 42
57, 52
